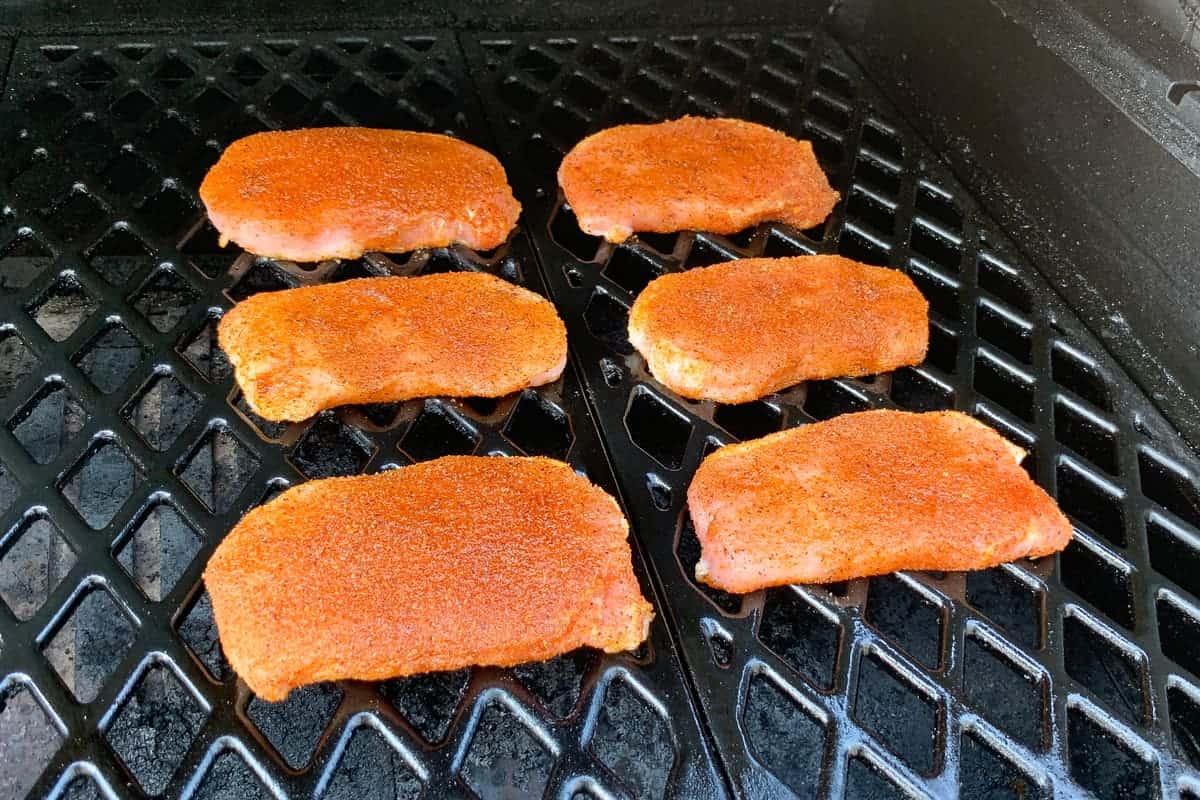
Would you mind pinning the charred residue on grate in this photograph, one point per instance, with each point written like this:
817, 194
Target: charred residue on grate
1043, 675
115, 394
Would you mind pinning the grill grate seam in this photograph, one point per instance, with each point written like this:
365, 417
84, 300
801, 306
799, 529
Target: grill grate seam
685, 677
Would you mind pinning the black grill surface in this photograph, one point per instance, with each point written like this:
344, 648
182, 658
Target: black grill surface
1058, 676
126, 453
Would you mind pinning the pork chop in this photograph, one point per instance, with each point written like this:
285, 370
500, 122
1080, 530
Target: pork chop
319, 193
737, 331
449, 563
866, 494
376, 340
693, 173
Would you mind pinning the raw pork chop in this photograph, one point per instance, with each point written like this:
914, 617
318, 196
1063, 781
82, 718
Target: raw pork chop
453, 562
320, 193
737, 331
865, 494
693, 173
377, 340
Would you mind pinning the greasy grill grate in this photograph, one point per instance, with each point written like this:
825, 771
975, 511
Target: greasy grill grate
127, 452
1068, 673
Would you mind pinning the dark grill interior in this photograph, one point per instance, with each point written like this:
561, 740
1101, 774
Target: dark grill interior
127, 453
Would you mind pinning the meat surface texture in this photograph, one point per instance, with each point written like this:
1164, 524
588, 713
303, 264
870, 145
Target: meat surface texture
866, 494
319, 193
693, 173
377, 340
740, 330
449, 563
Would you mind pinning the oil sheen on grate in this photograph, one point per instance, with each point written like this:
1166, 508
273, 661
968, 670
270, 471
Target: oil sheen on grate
1068, 675
126, 454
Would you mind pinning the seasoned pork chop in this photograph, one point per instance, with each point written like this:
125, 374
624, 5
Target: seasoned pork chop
737, 331
693, 173
453, 562
320, 193
866, 494
376, 340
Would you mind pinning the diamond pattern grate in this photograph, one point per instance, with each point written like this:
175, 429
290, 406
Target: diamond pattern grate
117, 398
1039, 677
127, 451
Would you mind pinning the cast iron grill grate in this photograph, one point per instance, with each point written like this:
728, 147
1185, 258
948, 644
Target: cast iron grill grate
127, 452
1060, 675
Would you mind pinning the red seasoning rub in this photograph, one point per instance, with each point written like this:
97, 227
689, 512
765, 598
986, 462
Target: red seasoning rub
308, 195
445, 564
378, 340
866, 494
693, 173
737, 331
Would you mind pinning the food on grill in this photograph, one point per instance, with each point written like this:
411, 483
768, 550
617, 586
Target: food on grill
320, 193
375, 340
740, 330
865, 494
693, 173
453, 562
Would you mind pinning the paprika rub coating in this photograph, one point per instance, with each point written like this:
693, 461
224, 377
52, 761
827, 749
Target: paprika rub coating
737, 331
867, 494
377, 340
693, 173
459, 561
319, 193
